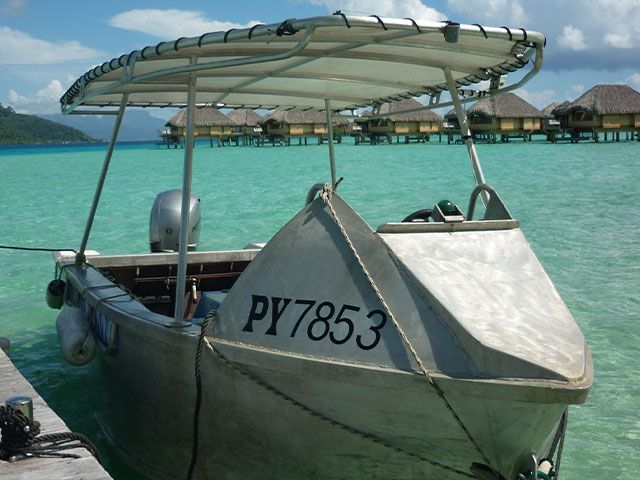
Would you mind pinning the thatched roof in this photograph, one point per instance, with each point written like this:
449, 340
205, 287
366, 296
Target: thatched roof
204, 117
421, 116
607, 100
561, 109
548, 110
506, 105
301, 117
245, 117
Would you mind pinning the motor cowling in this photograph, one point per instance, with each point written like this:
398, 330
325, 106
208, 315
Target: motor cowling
164, 224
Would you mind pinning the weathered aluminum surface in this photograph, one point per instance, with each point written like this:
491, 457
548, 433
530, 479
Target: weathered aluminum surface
421, 227
145, 259
498, 300
248, 432
308, 261
510, 403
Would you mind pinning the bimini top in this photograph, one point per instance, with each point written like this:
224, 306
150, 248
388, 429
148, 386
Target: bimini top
354, 61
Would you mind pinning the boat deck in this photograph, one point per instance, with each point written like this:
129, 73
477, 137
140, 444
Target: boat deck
86, 467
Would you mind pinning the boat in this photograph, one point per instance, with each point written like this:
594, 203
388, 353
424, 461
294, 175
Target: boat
432, 347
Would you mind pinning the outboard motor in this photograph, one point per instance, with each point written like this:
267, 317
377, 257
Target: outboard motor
164, 224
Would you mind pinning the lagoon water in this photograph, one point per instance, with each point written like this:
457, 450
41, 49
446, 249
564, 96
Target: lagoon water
579, 206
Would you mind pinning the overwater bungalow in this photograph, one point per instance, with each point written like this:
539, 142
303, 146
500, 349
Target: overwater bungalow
248, 122
607, 109
559, 113
504, 116
418, 126
284, 124
550, 124
209, 122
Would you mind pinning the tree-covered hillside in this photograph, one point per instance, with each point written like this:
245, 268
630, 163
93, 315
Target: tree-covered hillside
16, 128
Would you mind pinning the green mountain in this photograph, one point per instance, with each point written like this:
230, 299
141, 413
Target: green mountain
137, 125
16, 128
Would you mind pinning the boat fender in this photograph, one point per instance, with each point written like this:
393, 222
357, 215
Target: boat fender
54, 295
75, 336
544, 470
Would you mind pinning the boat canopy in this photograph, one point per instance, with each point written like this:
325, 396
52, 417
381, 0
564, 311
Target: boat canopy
355, 61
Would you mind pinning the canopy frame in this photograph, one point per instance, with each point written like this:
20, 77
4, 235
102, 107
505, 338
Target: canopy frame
389, 32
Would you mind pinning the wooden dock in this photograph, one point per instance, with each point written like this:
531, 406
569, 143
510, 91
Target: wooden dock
12, 383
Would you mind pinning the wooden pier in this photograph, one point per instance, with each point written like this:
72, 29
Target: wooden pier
12, 383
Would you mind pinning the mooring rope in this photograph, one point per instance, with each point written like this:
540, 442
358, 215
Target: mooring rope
558, 442
326, 195
37, 249
198, 403
21, 436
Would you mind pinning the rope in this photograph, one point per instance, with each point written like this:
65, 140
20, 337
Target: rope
21, 436
558, 442
325, 195
314, 413
37, 249
196, 408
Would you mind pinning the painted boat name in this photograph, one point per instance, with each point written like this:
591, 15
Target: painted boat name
319, 326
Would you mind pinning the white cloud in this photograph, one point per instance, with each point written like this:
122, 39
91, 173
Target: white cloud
385, 8
576, 90
45, 100
539, 99
622, 26
619, 40
498, 12
12, 7
572, 38
19, 48
597, 35
634, 80
171, 23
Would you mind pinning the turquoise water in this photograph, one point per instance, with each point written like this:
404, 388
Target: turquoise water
579, 206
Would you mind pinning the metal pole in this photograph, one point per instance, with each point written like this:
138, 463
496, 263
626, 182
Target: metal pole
186, 202
80, 257
332, 158
465, 132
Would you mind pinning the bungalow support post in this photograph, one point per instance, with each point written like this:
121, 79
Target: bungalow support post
465, 132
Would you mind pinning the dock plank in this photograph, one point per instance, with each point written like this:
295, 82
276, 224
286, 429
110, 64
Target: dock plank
86, 467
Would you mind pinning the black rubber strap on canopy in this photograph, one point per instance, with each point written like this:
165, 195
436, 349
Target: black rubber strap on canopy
253, 28
344, 17
175, 44
524, 33
508, 31
224, 40
380, 21
201, 38
481, 29
414, 23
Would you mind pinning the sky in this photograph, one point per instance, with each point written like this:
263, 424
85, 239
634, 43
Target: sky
45, 45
